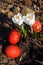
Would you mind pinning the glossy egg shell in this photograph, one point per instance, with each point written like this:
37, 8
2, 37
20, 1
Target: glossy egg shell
14, 37
12, 51
37, 27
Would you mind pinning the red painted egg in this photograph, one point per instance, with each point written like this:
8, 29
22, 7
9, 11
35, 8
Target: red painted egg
37, 27
14, 37
12, 51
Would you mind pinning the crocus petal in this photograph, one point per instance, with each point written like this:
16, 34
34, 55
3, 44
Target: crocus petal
13, 20
29, 21
18, 20
19, 14
24, 18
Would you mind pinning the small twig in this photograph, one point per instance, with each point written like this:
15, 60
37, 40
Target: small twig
14, 4
36, 43
27, 46
41, 62
37, 11
21, 6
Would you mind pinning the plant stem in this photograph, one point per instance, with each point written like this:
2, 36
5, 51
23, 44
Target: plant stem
23, 31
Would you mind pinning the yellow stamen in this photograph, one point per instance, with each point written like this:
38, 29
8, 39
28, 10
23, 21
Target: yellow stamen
29, 17
17, 17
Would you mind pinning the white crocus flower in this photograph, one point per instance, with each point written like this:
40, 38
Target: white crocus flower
29, 19
18, 19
